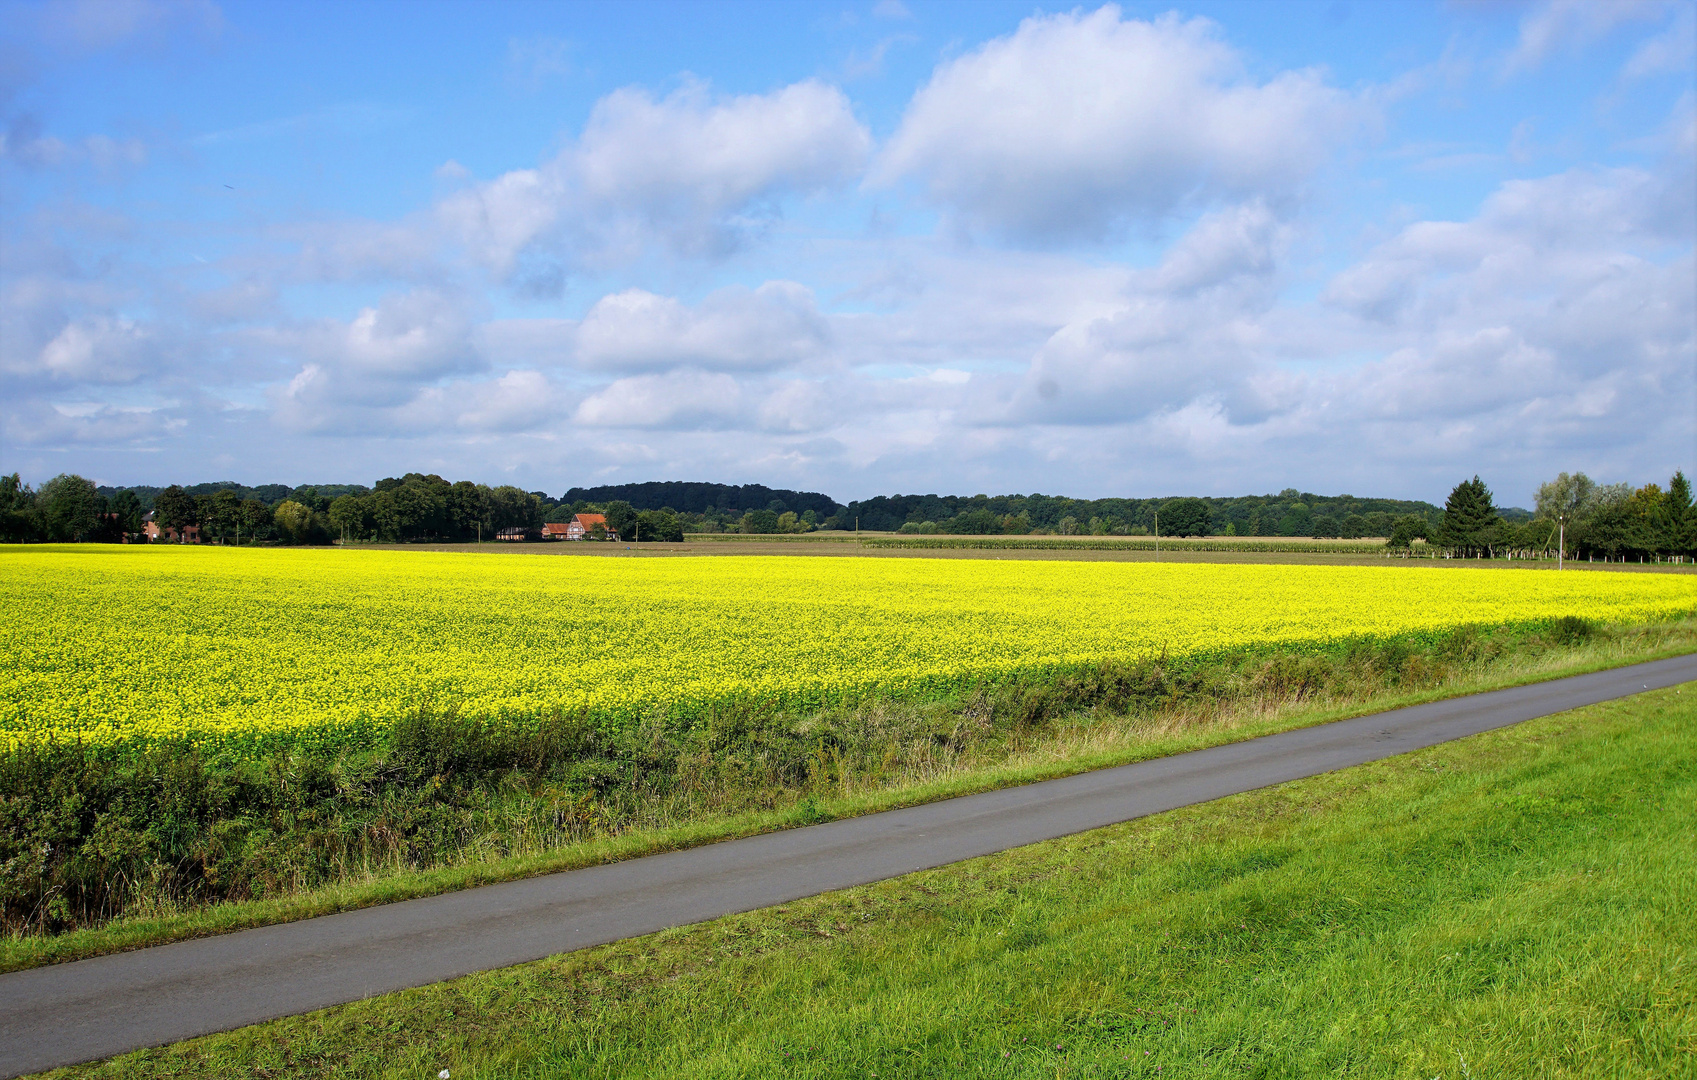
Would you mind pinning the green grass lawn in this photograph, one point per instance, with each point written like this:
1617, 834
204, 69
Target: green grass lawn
1517, 904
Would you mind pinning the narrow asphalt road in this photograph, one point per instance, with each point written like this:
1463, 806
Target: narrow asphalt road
96, 1008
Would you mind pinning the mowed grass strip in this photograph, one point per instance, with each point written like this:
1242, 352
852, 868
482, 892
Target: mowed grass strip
1515, 904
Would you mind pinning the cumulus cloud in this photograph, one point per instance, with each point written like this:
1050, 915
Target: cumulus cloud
1532, 237
515, 402
690, 169
680, 399
1563, 314
41, 422
775, 325
1558, 316
1079, 122
368, 370
415, 335
325, 402
98, 349
690, 158
1239, 242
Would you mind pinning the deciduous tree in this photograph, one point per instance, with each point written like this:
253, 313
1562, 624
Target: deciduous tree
70, 507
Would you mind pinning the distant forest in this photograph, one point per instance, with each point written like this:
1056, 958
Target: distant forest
705, 507
1288, 513
1612, 521
687, 498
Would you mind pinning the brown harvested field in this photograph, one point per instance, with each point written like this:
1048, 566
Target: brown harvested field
843, 545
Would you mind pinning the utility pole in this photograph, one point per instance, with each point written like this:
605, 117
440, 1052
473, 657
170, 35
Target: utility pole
1561, 548
1157, 536
857, 528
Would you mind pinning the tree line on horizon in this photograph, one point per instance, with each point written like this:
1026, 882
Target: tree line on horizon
1610, 520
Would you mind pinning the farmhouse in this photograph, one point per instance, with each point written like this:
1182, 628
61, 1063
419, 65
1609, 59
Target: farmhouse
513, 534
156, 532
581, 525
556, 530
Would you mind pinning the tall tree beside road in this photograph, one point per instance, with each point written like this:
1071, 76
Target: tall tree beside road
1565, 497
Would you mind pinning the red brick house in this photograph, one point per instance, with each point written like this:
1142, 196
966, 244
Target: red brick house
156, 533
557, 530
579, 527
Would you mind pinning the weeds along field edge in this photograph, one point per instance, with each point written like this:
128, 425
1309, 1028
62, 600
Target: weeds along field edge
116, 850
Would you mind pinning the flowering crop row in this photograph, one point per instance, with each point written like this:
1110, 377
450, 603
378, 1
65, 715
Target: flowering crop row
243, 646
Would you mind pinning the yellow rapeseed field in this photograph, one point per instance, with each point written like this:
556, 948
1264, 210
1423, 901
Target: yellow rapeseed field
240, 646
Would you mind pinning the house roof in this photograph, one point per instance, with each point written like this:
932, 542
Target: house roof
586, 520
553, 527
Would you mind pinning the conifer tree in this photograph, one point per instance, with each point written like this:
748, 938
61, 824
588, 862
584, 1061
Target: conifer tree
1676, 518
1470, 525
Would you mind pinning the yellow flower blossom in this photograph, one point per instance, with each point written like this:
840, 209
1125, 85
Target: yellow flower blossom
239, 646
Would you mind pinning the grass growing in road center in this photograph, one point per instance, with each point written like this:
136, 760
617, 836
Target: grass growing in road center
1514, 904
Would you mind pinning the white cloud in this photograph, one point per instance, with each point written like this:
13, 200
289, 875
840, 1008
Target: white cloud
1670, 51
417, 335
1531, 236
516, 402
328, 403
692, 170
690, 157
681, 399
1557, 25
1242, 241
497, 220
773, 326
23, 142
1079, 122
103, 24
39, 422
98, 349
368, 372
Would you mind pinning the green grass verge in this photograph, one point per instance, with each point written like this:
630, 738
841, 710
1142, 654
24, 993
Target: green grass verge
1513, 904
1079, 742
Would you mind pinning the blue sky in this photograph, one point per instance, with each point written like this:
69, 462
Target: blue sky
1127, 250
